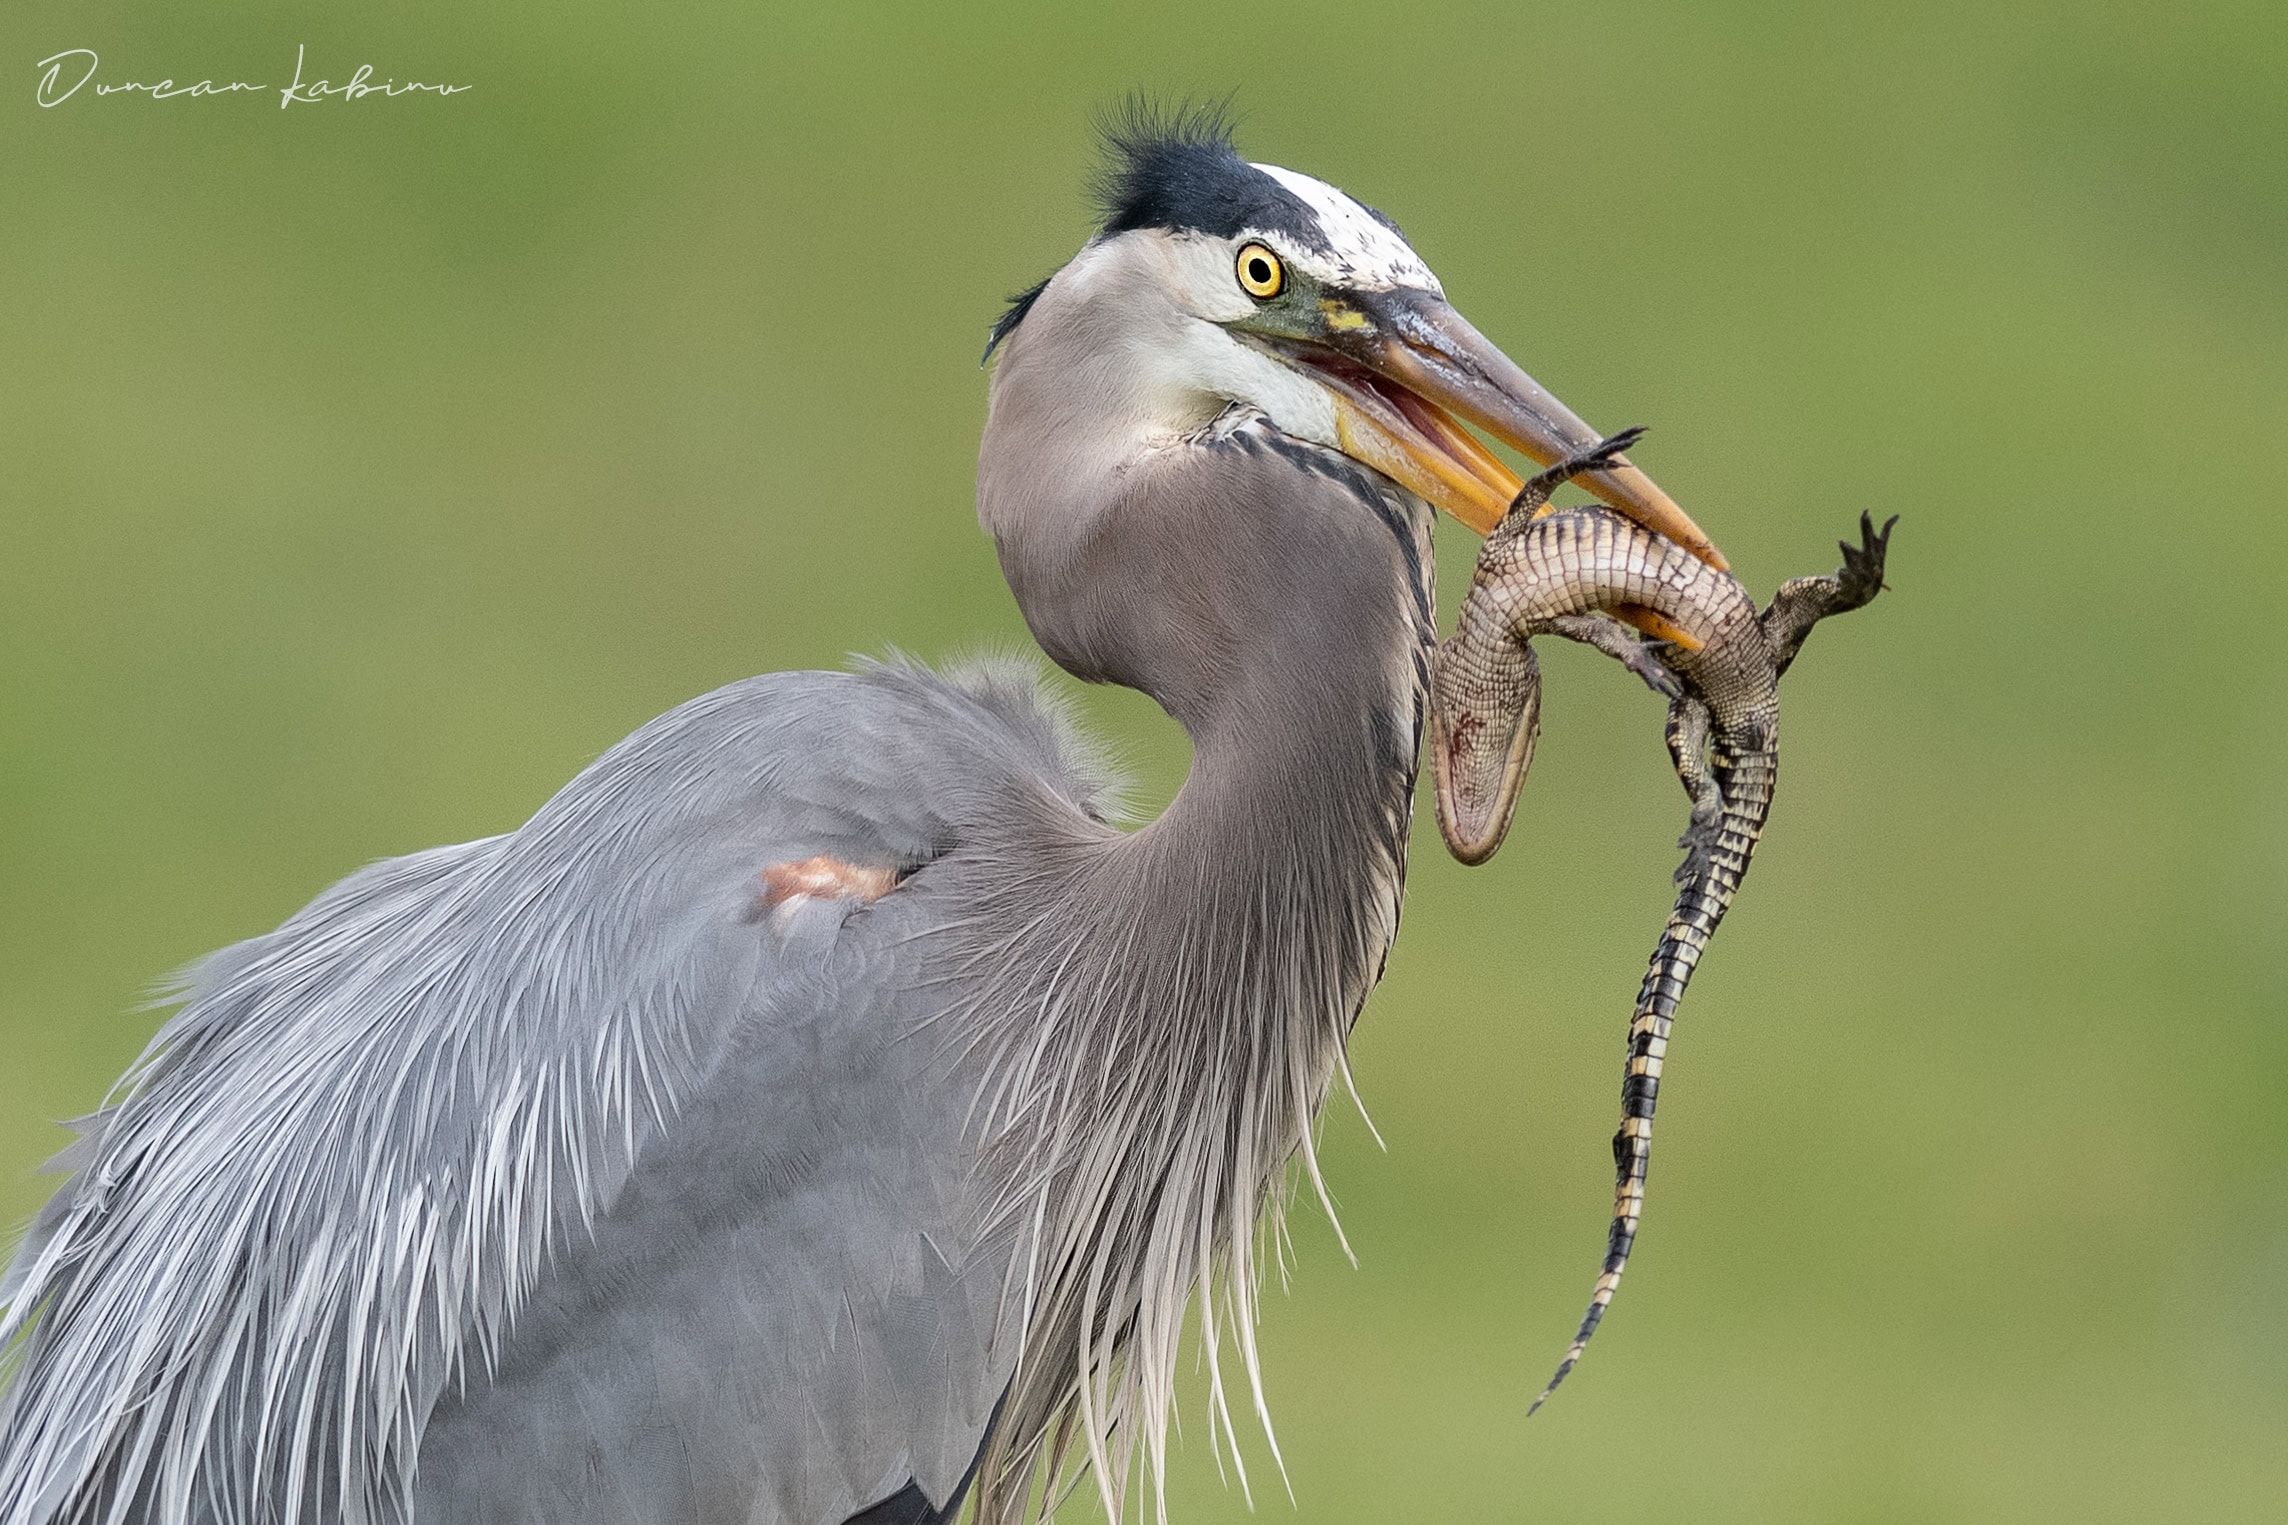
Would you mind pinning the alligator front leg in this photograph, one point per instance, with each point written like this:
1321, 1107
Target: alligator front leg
1803, 602
1687, 729
1624, 646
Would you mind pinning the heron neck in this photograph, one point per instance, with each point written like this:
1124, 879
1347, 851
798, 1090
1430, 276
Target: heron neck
1308, 768
1164, 1010
1274, 875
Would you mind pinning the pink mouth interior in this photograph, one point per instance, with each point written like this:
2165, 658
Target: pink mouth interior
1393, 403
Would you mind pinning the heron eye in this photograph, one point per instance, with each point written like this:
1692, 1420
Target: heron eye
1260, 273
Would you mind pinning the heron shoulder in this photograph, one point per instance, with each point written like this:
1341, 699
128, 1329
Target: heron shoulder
359, 1147
893, 757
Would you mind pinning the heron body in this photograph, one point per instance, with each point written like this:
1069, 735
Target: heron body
820, 1110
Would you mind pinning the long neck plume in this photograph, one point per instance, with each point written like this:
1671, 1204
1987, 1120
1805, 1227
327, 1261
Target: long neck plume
1185, 995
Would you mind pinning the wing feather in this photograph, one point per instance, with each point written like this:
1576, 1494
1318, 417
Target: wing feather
545, 1120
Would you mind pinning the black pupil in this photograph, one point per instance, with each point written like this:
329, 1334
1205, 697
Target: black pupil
1259, 270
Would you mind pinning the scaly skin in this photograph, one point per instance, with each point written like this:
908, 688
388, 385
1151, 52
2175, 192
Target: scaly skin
1578, 574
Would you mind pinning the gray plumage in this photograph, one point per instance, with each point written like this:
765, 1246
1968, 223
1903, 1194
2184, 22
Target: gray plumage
585, 1174
389, 1155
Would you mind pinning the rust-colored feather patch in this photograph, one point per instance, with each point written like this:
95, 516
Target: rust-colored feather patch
822, 878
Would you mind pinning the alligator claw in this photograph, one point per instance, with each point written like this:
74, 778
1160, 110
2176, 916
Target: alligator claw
1861, 576
1805, 601
1699, 846
1535, 493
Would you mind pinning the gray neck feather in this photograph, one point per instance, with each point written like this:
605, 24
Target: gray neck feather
1160, 1013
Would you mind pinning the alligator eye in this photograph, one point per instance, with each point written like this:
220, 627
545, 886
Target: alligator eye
1260, 273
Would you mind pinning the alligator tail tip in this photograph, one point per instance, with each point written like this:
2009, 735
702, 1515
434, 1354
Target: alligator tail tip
1564, 1368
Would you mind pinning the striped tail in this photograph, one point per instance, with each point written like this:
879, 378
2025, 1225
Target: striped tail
1716, 860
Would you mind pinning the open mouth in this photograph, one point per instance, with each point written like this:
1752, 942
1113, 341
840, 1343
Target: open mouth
1408, 438
1405, 372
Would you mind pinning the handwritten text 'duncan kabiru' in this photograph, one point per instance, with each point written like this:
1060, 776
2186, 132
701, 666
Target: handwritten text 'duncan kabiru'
64, 74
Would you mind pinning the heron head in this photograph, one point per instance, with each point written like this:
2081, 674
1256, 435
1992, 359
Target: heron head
1216, 282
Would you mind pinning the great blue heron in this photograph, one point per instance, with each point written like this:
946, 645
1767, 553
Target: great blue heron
818, 1111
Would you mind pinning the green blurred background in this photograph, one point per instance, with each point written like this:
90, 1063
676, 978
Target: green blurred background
367, 468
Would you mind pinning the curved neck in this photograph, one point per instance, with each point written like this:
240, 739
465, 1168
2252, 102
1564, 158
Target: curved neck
1168, 1007
1156, 1015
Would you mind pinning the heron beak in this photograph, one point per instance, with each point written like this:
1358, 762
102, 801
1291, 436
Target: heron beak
1402, 364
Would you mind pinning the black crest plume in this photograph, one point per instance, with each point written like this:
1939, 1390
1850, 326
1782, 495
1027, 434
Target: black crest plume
1176, 167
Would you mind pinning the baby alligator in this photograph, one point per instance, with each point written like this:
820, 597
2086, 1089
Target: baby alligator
1579, 574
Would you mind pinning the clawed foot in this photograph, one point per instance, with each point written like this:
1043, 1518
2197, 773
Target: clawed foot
1699, 842
1534, 495
1687, 734
1861, 576
1806, 601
